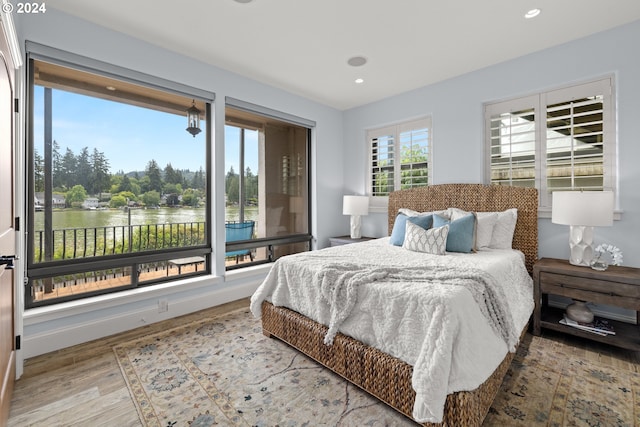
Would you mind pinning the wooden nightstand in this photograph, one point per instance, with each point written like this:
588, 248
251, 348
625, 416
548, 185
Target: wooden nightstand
617, 286
345, 240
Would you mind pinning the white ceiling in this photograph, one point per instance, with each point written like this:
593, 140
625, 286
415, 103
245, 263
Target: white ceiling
303, 46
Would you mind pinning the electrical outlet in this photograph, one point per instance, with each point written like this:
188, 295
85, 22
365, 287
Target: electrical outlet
163, 305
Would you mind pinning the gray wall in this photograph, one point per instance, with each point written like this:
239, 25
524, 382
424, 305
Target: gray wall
456, 106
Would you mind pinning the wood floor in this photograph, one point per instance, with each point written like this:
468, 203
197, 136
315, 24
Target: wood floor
83, 385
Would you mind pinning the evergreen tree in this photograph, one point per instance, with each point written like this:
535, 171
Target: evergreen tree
155, 179
68, 168
83, 171
38, 172
56, 165
100, 179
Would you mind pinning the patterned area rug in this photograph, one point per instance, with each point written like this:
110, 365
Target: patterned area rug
223, 371
545, 386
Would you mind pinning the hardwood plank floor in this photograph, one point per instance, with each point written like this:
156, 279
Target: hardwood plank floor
83, 385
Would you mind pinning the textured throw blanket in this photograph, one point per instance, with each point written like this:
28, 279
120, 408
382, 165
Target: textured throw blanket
339, 284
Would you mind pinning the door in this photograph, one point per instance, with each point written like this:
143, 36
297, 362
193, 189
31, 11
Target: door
7, 232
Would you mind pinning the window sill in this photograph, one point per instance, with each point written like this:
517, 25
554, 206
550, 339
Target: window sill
87, 305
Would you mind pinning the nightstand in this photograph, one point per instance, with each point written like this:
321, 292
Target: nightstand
617, 286
345, 240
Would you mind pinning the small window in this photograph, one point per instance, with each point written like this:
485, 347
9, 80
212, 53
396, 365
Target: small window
558, 140
400, 156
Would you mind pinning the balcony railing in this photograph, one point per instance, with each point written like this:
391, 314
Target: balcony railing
73, 243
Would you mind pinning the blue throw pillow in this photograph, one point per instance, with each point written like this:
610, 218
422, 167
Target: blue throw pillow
461, 232
400, 225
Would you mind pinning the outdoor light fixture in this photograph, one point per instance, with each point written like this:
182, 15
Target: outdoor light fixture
355, 206
193, 120
582, 210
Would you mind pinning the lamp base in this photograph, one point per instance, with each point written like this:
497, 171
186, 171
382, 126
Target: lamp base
581, 245
355, 227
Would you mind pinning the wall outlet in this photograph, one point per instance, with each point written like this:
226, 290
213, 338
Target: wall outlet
163, 305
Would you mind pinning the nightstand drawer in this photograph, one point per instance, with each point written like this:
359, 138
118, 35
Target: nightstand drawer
587, 289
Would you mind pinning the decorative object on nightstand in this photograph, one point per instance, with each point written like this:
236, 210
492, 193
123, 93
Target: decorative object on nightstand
579, 312
600, 264
582, 210
355, 206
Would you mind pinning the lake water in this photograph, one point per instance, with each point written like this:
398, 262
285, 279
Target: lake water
72, 218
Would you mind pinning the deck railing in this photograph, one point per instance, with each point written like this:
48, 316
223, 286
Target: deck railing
84, 242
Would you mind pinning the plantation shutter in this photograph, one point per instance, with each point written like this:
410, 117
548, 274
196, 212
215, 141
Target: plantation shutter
400, 156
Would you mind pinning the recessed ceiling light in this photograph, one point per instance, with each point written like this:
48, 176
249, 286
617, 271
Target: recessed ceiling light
111, 88
244, 1
357, 61
358, 81
532, 13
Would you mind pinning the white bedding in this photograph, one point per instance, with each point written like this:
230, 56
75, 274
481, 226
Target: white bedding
437, 328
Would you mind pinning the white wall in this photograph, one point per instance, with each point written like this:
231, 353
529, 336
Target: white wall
48, 329
456, 108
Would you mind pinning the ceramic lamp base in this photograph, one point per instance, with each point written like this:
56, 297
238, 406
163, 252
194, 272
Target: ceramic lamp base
581, 245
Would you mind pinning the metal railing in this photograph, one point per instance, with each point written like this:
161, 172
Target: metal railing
73, 243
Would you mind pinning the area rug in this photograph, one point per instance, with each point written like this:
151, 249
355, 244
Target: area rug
222, 371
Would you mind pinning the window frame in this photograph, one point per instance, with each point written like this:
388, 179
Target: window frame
44, 269
396, 130
539, 102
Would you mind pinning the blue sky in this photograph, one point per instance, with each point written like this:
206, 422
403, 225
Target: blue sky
129, 136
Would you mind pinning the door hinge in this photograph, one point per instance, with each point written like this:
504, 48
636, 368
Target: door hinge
16, 105
18, 342
16, 226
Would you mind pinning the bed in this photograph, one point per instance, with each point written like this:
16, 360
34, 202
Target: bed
382, 373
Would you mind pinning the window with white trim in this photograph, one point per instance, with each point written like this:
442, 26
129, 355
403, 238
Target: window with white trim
400, 156
562, 139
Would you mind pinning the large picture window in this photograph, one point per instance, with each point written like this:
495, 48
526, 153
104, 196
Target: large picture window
400, 156
558, 140
118, 188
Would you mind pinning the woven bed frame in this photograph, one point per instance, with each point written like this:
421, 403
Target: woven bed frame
384, 376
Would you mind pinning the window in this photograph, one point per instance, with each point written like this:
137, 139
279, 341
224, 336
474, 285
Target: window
266, 184
558, 140
400, 156
117, 189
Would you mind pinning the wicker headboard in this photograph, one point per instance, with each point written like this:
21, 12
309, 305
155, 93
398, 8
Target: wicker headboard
478, 198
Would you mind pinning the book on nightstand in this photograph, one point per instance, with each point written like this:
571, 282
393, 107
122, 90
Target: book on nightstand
598, 326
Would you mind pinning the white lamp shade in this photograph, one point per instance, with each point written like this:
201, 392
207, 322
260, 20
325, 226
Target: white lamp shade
585, 208
355, 205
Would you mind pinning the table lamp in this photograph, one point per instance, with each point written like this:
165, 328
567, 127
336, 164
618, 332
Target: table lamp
355, 206
582, 210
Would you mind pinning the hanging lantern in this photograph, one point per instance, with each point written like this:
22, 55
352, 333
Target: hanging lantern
193, 120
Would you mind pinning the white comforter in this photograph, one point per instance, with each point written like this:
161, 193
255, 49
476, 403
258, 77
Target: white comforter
437, 328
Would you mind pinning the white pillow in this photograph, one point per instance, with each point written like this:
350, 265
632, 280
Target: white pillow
410, 212
484, 230
431, 241
502, 237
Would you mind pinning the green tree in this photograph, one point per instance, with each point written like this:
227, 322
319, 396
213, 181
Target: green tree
232, 186
117, 201
151, 198
38, 172
155, 179
100, 179
77, 194
68, 167
191, 197
83, 171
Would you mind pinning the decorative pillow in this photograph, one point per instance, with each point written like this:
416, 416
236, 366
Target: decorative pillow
486, 221
400, 224
410, 212
431, 241
461, 232
502, 237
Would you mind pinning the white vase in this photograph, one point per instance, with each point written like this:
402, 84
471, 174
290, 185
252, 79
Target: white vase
579, 312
